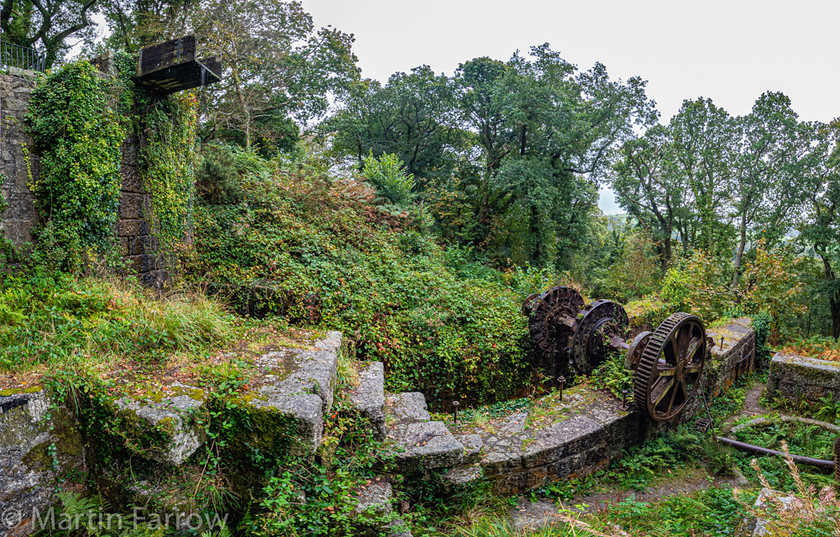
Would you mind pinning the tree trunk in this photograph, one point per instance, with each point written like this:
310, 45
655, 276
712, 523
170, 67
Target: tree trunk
739, 255
666, 257
834, 299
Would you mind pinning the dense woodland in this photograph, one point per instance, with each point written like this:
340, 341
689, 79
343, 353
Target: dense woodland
486, 178
414, 215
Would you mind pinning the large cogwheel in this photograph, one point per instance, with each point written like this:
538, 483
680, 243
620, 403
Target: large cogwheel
671, 367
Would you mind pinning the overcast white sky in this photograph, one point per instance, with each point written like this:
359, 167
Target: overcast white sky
730, 51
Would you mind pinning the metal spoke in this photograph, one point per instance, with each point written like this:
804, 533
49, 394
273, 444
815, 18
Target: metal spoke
673, 397
659, 396
667, 371
694, 346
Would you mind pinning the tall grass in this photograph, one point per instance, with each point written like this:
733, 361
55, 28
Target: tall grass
51, 319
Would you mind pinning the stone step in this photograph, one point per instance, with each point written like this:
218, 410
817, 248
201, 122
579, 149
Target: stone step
168, 414
302, 390
375, 498
368, 398
418, 442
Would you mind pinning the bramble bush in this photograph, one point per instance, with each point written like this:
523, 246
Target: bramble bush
334, 261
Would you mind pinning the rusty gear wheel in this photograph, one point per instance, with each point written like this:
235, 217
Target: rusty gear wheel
637, 347
670, 367
599, 322
546, 315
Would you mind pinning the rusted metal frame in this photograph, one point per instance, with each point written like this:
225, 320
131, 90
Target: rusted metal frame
766, 451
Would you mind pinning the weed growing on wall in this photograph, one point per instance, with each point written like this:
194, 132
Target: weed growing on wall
167, 161
78, 133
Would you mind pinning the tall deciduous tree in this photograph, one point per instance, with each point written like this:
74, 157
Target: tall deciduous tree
413, 116
820, 226
479, 96
276, 62
764, 187
648, 188
706, 142
135, 24
565, 125
47, 25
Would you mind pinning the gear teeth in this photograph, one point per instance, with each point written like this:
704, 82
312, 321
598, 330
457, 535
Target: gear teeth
544, 311
650, 357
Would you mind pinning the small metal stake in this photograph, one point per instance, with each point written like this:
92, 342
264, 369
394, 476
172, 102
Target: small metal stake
721, 342
624, 406
456, 404
562, 381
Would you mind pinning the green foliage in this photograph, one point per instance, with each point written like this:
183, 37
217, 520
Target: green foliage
696, 285
647, 313
714, 511
802, 439
387, 175
217, 176
167, 161
761, 323
612, 376
51, 319
78, 134
330, 262
645, 463
505, 153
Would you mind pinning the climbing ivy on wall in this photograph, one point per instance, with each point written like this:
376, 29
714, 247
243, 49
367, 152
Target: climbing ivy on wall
78, 120
167, 161
78, 134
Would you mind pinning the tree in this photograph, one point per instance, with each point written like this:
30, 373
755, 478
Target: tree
705, 143
46, 25
135, 24
647, 188
565, 125
275, 61
821, 226
764, 186
412, 116
477, 88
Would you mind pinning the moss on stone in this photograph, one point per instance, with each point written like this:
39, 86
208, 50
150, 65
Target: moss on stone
17, 391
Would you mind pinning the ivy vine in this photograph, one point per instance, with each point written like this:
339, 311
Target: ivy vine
167, 163
78, 134
78, 120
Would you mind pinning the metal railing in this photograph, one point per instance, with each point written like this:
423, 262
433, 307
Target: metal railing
12, 55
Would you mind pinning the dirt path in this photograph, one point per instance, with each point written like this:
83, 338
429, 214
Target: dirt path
534, 515
752, 406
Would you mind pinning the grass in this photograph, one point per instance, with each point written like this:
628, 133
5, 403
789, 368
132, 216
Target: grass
117, 330
821, 347
51, 320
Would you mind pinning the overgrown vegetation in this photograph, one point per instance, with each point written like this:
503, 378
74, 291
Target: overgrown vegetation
440, 322
77, 132
53, 319
415, 219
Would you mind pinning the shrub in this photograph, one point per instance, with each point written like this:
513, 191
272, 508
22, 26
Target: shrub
333, 261
387, 175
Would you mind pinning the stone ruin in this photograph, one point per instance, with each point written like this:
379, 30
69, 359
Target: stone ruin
552, 440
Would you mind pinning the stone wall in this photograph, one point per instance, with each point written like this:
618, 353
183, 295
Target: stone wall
20, 216
139, 246
40, 450
732, 355
795, 378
